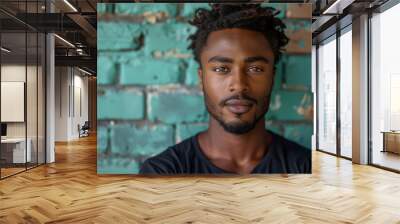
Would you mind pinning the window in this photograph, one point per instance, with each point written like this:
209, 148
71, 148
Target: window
346, 92
327, 96
385, 89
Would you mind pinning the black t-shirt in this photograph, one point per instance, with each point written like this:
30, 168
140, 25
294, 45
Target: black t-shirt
283, 156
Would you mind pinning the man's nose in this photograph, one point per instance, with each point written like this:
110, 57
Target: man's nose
239, 81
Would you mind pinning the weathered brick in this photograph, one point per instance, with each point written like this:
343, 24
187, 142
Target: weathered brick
106, 70
140, 8
120, 57
120, 104
298, 71
118, 35
300, 133
278, 6
185, 131
192, 77
274, 127
101, 7
102, 138
167, 36
141, 141
105, 8
189, 9
285, 105
298, 24
147, 71
117, 165
299, 11
176, 107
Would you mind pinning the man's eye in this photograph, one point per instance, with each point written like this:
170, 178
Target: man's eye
221, 69
256, 69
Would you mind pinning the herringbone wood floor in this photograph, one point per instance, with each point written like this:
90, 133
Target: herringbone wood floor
70, 191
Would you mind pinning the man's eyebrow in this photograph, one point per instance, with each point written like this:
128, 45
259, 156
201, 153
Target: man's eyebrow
220, 59
247, 60
256, 58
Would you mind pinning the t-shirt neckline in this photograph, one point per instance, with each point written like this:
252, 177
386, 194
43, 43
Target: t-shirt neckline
201, 154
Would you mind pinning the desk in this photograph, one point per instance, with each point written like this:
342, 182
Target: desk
391, 141
17, 148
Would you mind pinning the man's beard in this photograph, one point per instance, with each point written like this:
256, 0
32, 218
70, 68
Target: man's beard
237, 127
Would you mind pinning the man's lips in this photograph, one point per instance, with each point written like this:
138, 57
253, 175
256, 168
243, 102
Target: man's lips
239, 106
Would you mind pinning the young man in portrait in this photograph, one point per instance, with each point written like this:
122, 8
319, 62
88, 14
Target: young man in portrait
237, 47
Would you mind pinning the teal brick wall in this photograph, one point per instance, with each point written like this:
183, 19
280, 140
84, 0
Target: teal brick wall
149, 71
148, 92
140, 140
176, 107
133, 9
118, 36
120, 104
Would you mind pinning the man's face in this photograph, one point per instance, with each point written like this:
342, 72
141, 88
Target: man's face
237, 75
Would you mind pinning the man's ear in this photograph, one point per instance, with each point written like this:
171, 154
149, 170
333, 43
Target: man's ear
200, 75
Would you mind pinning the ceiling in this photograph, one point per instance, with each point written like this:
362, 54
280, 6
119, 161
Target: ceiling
332, 15
72, 20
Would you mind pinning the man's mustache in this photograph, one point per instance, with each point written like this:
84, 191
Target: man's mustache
242, 96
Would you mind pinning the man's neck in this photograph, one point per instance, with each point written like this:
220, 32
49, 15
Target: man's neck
232, 149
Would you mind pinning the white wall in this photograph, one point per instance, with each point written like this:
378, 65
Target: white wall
61, 103
71, 93
12, 101
12, 73
33, 126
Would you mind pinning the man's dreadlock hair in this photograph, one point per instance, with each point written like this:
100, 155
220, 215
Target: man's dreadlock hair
244, 16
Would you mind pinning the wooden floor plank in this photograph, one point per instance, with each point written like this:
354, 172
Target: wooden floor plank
70, 191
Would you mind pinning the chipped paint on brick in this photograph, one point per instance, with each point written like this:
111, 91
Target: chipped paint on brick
305, 108
275, 103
